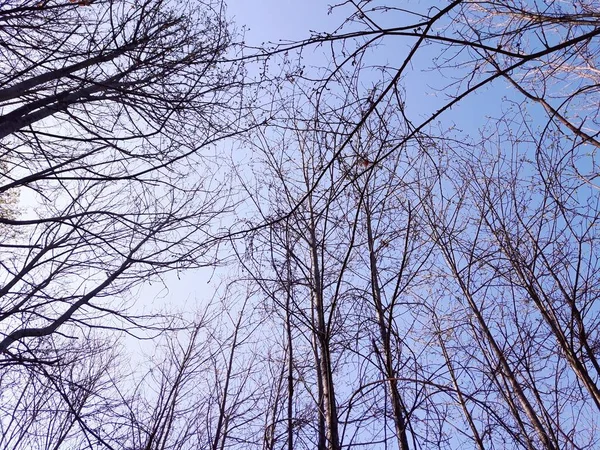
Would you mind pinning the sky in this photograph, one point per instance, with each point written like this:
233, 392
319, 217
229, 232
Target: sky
275, 20
279, 21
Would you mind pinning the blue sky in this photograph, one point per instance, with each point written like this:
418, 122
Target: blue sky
275, 20
286, 20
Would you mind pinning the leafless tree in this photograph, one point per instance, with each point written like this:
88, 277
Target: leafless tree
66, 404
334, 271
111, 112
402, 283
517, 239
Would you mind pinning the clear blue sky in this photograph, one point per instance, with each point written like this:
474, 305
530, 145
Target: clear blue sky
286, 20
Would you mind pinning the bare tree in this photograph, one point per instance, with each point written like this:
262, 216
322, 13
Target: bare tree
401, 283
513, 230
67, 404
334, 271
110, 116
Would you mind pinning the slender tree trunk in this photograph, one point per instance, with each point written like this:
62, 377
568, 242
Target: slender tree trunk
290, 355
463, 404
322, 338
222, 422
398, 407
506, 370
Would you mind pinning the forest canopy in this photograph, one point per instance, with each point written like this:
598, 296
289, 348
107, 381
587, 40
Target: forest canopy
389, 227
